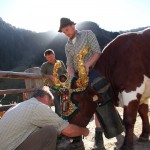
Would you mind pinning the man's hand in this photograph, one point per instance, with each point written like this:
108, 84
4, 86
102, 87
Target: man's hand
73, 131
86, 131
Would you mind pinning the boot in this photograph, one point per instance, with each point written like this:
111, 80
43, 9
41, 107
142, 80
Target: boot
77, 144
63, 143
98, 140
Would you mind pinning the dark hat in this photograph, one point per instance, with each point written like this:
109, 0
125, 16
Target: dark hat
65, 22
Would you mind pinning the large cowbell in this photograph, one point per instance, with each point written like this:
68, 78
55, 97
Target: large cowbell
106, 112
110, 120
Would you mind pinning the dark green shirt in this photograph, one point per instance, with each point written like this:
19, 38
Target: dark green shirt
47, 68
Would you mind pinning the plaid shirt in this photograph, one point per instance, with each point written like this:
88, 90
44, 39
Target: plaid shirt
23, 119
85, 38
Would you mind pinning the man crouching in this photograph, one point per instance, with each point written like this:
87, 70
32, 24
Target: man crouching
33, 125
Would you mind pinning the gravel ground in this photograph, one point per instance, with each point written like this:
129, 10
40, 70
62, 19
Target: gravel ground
115, 143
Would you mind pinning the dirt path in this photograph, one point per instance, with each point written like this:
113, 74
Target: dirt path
115, 143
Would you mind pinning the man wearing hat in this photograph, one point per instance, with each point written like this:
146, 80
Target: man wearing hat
78, 40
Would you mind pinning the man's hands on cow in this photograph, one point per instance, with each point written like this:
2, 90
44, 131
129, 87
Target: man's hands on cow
86, 132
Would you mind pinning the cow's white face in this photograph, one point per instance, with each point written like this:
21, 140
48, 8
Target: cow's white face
125, 98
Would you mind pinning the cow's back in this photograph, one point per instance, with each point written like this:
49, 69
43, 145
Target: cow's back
125, 63
126, 59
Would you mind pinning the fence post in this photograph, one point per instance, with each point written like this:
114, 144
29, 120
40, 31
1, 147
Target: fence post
32, 83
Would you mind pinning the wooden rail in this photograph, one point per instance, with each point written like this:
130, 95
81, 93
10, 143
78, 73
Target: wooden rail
6, 107
33, 79
15, 91
21, 75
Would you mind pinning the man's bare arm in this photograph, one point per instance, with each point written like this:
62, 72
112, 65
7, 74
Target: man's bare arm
74, 130
70, 71
92, 61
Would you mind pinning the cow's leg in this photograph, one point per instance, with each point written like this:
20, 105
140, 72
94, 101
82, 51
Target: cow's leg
143, 112
129, 116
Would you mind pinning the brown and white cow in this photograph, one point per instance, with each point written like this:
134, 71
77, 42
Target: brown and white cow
125, 62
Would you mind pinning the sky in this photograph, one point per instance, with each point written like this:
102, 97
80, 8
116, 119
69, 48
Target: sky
44, 15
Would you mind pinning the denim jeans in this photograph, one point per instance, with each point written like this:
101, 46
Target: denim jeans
93, 75
56, 102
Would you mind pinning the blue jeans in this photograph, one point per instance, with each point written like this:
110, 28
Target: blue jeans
57, 102
93, 75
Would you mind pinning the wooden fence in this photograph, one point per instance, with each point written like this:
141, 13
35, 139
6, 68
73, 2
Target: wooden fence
33, 80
